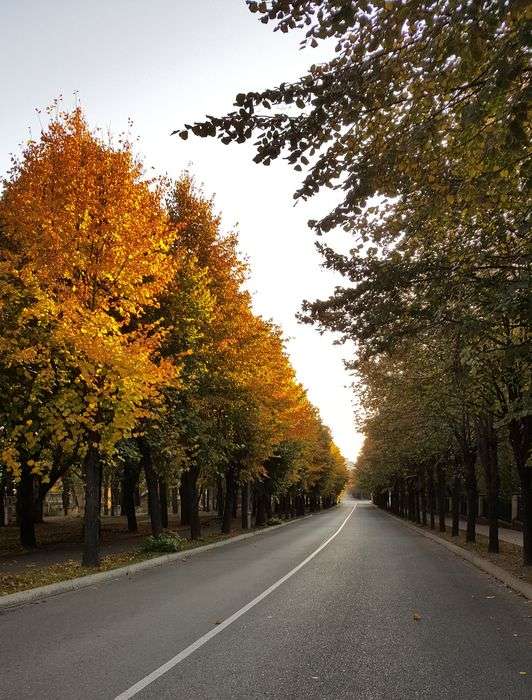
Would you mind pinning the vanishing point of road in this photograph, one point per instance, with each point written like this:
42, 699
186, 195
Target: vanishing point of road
347, 603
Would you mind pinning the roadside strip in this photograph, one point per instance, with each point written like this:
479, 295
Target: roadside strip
516, 584
34, 595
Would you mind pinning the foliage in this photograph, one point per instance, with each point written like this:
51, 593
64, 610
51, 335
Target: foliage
84, 253
165, 542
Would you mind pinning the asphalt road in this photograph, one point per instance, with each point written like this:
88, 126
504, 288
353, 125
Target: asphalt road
341, 626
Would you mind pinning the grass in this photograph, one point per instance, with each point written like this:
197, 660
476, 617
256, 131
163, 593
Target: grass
34, 577
58, 531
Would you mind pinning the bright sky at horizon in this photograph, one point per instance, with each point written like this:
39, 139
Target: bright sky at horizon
162, 64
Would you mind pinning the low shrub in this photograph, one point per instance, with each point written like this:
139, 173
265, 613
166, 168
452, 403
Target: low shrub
274, 521
166, 542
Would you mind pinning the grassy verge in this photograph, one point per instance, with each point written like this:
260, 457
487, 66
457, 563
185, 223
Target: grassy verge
510, 557
55, 532
35, 576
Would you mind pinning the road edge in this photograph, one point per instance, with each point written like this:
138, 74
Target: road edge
516, 584
35, 595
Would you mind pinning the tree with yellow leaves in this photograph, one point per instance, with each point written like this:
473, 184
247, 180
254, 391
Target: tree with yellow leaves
85, 243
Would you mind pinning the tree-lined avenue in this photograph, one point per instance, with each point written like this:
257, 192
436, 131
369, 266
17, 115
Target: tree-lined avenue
345, 625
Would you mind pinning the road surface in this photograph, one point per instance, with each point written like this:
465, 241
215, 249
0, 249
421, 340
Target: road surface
378, 612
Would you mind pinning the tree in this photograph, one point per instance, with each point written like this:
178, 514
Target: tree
420, 120
86, 235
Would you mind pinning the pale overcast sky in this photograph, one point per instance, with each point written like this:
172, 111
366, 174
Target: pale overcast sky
163, 63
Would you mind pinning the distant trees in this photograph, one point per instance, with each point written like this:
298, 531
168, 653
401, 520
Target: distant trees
420, 122
128, 345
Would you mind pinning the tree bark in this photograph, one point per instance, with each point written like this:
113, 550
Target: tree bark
235, 499
3, 499
25, 509
220, 497
441, 497
65, 494
116, 506
472, 494
455, 505
185, 497
93, 492
106, 495
520, 430
193, 507
423, 490
230, 482
163, 501
154, 505
245, 505
173, 498
432, 498
39, 494
129, 483
487, 452
260, 518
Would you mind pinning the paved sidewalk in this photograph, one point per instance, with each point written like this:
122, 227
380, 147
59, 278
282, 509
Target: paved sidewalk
505, 534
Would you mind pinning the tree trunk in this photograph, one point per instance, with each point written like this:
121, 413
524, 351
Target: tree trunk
129, 482
116, 506
455, 504
3, 500
487, 452
472, 495
65, 494
268, 502
93, 497
185, 497
163, 502
39, 494
106, 495
25, 509
150, 474
260, 518
441, 497
245, 505
525, 475
235, 499
220, 497
194, 496
520, 430
423, 489
403, 507
432, 498
173, 497
229, 497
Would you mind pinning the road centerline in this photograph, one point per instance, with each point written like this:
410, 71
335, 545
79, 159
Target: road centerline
201, 641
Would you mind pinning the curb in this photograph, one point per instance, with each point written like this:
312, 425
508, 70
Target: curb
516, 584
34, 595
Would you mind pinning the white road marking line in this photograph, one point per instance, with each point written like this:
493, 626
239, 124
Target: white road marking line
154, 675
